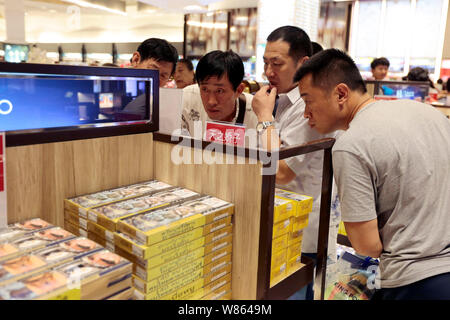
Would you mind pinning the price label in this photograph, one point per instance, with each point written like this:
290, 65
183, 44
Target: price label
225, 133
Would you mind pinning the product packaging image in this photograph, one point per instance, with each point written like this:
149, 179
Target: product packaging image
43, 286
108, 216
34, 241
82, 204
19, 229
98, 275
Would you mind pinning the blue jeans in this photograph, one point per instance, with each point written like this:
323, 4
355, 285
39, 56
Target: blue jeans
432, 288
307, 292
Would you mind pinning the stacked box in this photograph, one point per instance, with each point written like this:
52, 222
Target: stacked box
291, 212
33, 241
82, 204
109, 215
20, 229
54, 264
173, 238
99, 275
76, 209
46, 285
184, 246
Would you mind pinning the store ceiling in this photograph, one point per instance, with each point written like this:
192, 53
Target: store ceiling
71, 21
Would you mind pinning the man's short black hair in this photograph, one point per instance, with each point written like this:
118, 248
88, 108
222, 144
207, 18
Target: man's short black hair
217, 63
379, 62
299, 42
158, 49
331, 67
316, 47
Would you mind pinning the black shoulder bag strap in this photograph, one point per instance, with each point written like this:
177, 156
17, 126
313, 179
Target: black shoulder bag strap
242, 105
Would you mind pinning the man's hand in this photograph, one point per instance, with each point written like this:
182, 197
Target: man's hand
264, 102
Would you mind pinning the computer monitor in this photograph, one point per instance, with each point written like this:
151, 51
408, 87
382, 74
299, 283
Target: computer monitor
60, 102
16, 52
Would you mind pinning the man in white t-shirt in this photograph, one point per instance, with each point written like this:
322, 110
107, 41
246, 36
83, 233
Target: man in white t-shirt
218, 94
392, 169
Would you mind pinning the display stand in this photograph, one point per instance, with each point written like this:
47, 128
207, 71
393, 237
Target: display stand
44, 168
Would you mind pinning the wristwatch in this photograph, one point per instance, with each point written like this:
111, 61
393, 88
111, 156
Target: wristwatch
261, 126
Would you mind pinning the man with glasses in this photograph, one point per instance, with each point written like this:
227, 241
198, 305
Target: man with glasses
156, 54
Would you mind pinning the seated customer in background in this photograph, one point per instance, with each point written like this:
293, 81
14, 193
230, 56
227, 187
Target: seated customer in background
218, 94
184, 73
380, 67
420, 74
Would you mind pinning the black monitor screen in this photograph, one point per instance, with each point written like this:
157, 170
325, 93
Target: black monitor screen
32, 102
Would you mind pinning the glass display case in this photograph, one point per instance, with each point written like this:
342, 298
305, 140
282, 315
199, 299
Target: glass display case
47, 103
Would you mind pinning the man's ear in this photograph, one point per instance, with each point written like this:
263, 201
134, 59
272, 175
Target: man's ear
342, 91
302, 61
135, 59
240, 88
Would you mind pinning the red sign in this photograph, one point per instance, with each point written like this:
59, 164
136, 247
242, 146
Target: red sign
381, 97
225, 133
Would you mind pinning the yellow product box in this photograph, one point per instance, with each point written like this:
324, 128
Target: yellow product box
20, 229
304, 203
278, 258
280, 243
210, 252
298, 223
194, 269
109, 215
95, 237
282, 209
33, 241
21, 267
161, 291
75, 219
100, 231
277, 274
200, 293
207, 231
82, 204
221, 293
295, 237
294, 264
66, 251
341, 229
75, 229
280, 228
166, 223
192, 291
167, 250
98, 275
294, 250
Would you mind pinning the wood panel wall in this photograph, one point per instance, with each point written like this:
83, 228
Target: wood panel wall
41, 176
237, 183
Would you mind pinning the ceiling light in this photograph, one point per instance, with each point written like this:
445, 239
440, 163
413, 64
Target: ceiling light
86, 4
195, 8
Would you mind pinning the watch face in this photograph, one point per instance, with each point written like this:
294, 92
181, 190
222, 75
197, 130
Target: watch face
259, 127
